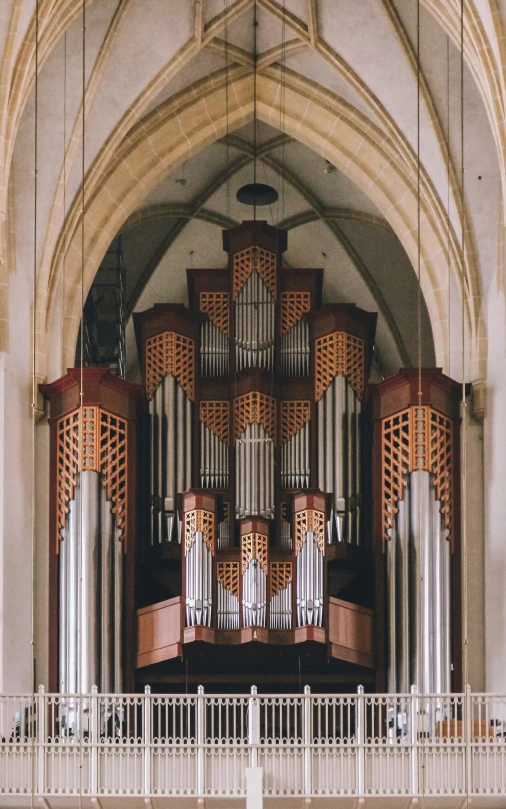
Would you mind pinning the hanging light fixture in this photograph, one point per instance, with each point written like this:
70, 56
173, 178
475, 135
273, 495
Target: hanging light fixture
256, 194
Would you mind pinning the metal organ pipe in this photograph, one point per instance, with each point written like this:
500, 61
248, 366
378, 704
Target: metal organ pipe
254, 473
309, 592
170, 463
281, 609
228, 609
295, 349
199, 566
254, 325
91, 592
254, 599
295, 460
419, 592
214, 350
339, 471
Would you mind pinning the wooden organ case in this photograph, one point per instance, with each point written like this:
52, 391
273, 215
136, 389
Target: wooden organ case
255, 541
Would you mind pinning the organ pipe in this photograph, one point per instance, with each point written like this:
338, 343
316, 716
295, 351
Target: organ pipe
419, 582
417, 444
91, 515
255, 473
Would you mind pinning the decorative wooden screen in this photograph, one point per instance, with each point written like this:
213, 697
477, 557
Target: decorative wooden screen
200, 520
294, 414
255, 408
339, 354
254, 259
104, 450
170, 353
293, 306
417, 438
227, 574
216, 416
216, 305
254, 546
281, 576
309, 520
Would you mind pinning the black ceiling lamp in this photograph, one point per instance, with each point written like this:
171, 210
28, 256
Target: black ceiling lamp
256, 194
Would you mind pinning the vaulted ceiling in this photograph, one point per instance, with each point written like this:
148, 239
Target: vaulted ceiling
362, 144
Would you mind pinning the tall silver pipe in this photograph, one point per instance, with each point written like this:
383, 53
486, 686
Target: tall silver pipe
88, 580
63, 611
309, 587
118, 612
107, 615
419, 592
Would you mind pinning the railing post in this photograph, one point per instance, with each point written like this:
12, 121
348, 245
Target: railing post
94, 738
146, 741
308, 741
253, 727
413, 740
360, 737
468, 737
41, 740
201, 740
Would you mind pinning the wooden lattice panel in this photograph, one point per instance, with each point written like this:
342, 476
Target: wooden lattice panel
417, 438
440, 453
104, 441
199, 519
227, 574
294, 414
281, 576
254, 259
255, 408
310, 520
216, 305
113, 465
254, 546
171, 354
293, 306
339, 354
68, 458
216, 416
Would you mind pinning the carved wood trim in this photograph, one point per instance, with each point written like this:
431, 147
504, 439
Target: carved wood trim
339, 354
253, 259
217, 306
227, 574
199, 520
294, 414
216, 416
255, 408
254, 546
104, 450
281, 576
417, 438
309, 520
293, 306
170, 353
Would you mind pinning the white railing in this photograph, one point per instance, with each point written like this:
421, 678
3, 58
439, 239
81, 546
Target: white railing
200, 745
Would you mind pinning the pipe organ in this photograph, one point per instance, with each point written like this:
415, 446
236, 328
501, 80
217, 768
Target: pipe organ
280, 498
417, 440
266, 385
92, 518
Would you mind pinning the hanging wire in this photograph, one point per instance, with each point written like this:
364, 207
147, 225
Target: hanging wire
283, 90
254, 104
227, 66
81, 392
64, 230
34, 396
448, 229
419, 330
465, 641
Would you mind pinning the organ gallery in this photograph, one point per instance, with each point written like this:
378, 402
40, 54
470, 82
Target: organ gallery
257, 501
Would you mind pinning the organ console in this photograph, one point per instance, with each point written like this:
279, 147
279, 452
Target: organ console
276, 492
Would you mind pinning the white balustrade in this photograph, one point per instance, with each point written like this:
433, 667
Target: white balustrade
310, 746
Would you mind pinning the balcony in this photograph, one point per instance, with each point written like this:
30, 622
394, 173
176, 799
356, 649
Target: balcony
171, 751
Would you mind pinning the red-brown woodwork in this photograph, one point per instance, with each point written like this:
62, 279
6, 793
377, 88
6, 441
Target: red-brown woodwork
170, 353
294, 415
217, 306
280, 577
216, 416
339, 354
293, 306
254, 259
227, 573
255, 408
309, 514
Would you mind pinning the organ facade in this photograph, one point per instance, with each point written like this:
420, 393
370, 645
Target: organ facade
273, 496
